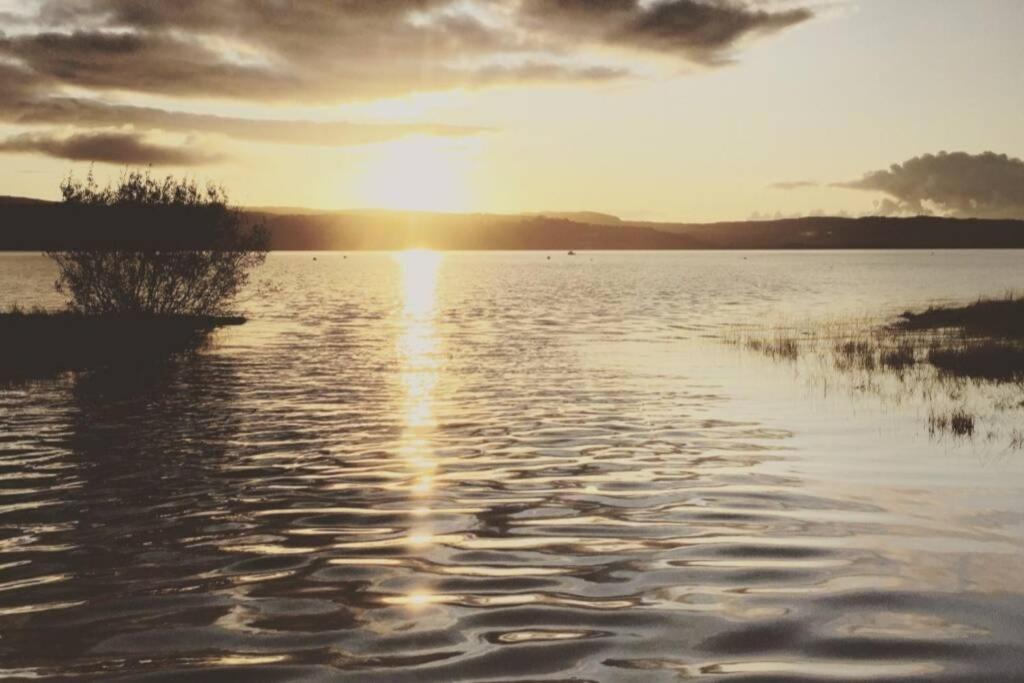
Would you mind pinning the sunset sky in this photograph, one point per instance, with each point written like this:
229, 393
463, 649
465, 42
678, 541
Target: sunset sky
659, 109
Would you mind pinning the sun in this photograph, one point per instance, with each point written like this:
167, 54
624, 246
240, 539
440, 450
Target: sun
419, 173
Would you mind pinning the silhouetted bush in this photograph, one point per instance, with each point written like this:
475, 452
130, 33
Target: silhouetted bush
177, 248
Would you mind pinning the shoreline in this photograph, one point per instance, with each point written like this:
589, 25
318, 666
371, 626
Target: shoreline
41, 344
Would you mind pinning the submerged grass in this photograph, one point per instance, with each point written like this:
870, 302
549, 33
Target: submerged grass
956, 350
856, 353
934, 355
899, 356
779, 347
958, 423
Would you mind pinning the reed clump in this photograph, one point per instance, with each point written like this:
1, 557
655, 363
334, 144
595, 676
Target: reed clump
934, 354
778, 347
995, 361
959, 423
988, 317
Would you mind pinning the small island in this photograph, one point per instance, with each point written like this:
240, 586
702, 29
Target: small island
159, 291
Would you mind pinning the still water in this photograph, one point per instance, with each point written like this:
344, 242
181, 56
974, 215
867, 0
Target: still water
505, 467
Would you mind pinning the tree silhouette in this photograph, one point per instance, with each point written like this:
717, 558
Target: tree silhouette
169, 247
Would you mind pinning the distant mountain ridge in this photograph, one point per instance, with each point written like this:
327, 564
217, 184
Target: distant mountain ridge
22, 201
34, 225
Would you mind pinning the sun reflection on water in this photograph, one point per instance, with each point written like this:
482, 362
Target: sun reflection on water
419, 281
419, 351
420, 358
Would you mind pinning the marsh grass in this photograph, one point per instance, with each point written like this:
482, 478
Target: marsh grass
898, 356
986, 317
985, 359
778, 347
941, 356
856, 353
959, 423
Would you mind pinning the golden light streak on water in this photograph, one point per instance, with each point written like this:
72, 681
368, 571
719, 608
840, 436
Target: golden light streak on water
419, 350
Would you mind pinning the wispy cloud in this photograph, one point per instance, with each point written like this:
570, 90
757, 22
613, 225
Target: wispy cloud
28, 101
793, 184
115, 148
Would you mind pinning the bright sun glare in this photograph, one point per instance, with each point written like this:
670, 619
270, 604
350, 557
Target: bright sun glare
417, 173
419, 349
419, 280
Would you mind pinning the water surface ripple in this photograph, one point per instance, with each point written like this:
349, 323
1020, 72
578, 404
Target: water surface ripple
499, 467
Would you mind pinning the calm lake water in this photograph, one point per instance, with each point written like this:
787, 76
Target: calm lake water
501, 467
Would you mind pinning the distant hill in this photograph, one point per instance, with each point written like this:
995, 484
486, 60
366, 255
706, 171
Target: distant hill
592, 217
391, 230
34, 225
22, 201
873, 232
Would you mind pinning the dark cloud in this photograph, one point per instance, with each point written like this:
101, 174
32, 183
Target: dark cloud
316, 51
352, 49
957, 184
704, 31
84, 113
264, 50
16, 82
26, 102
114, 148
138, 62
793, 185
